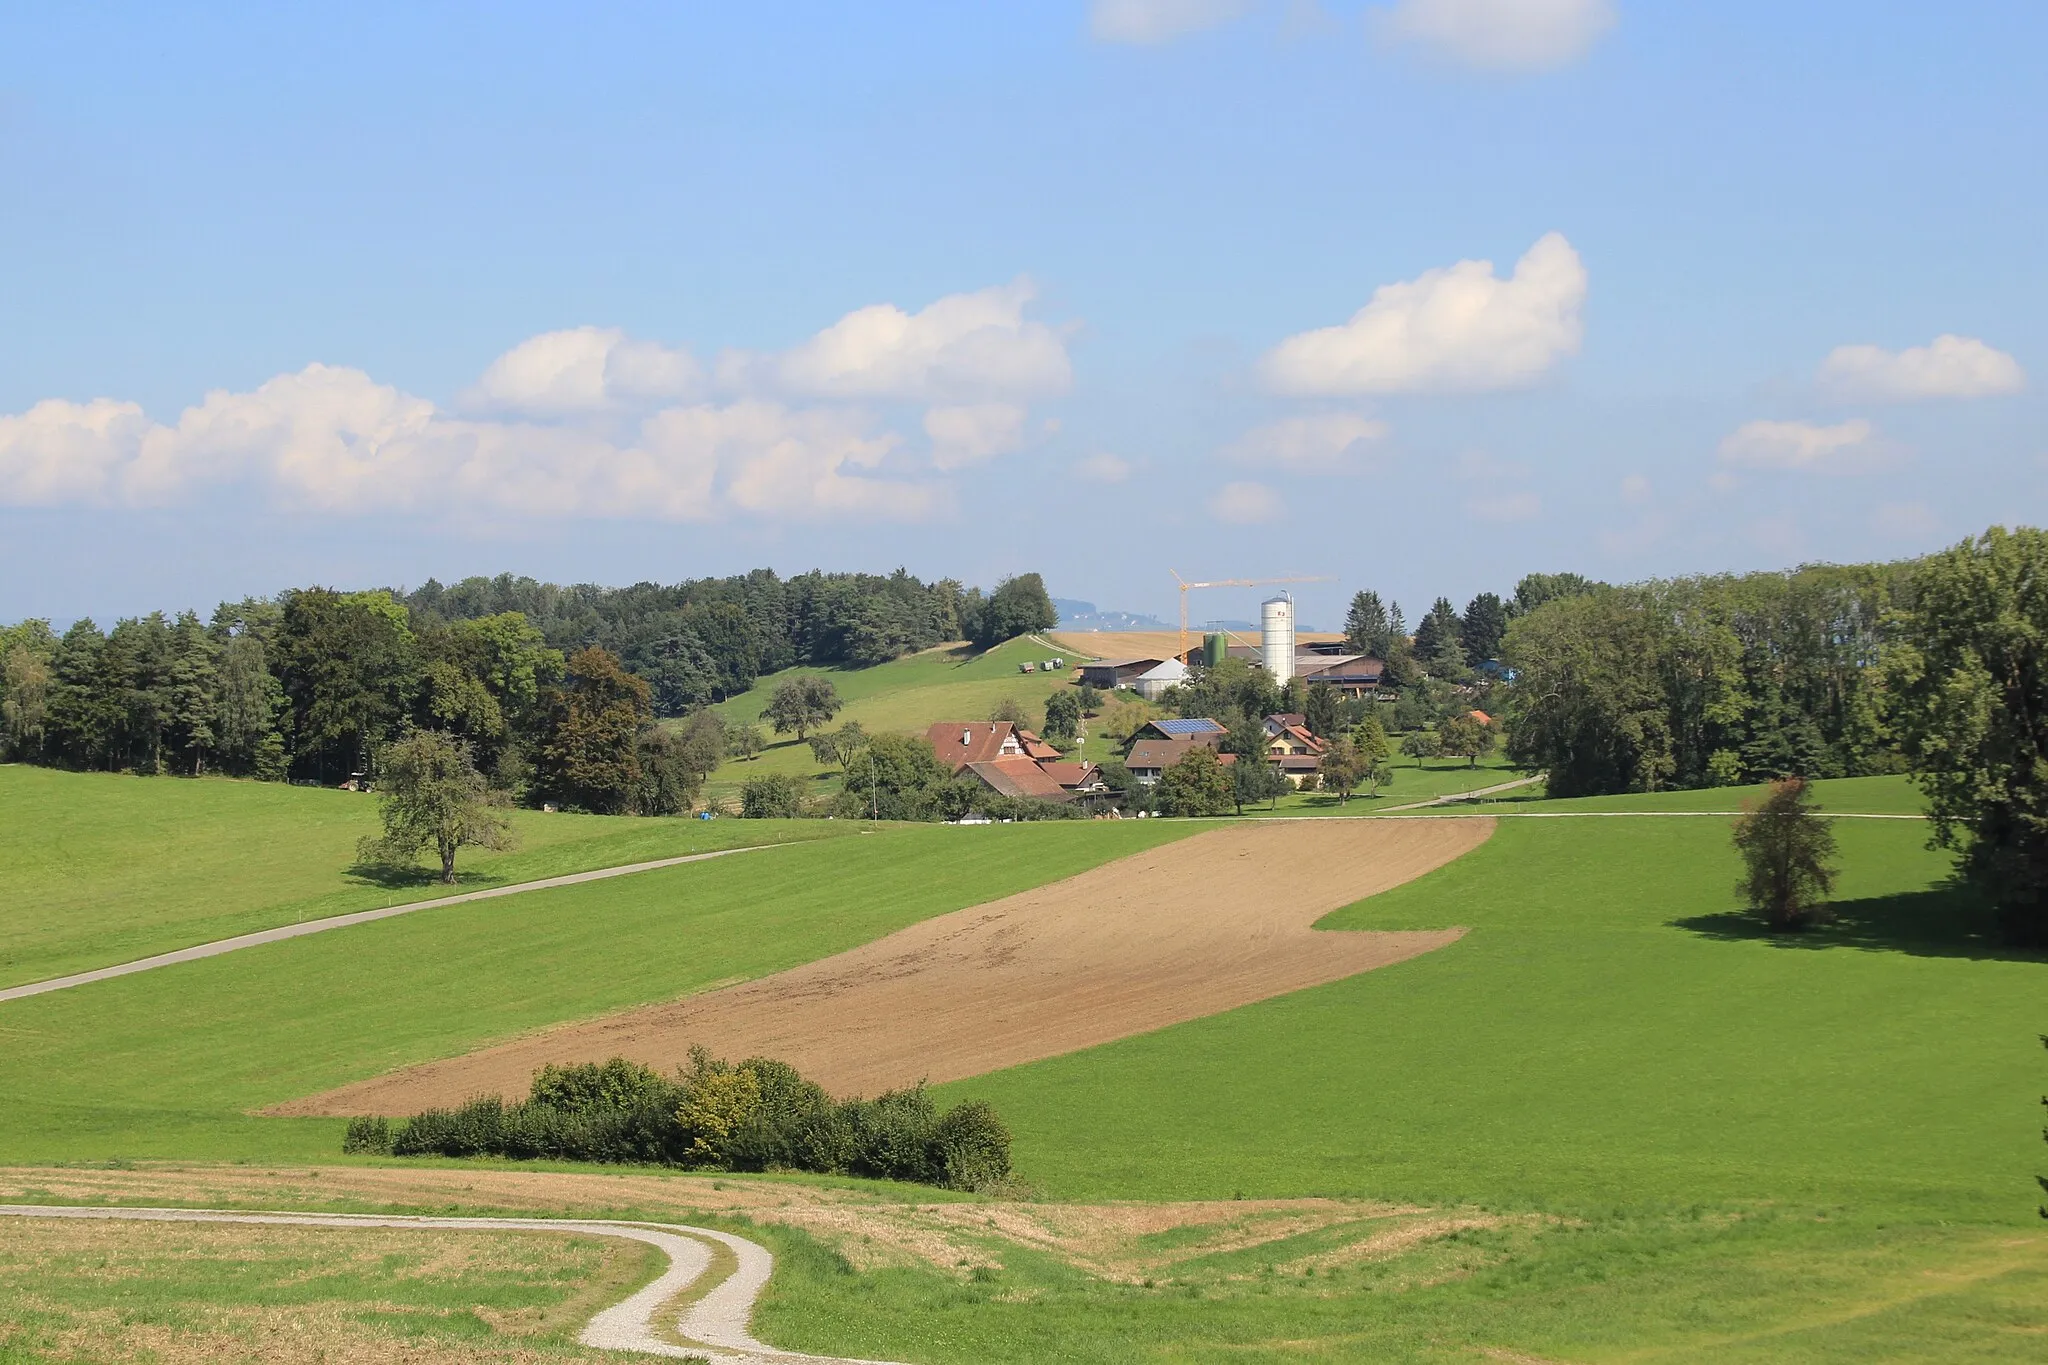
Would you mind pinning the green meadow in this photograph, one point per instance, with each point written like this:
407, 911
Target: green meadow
168, 1063
1674, 1138
1719, 1145
103, 868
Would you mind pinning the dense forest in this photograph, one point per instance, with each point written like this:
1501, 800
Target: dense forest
551, 688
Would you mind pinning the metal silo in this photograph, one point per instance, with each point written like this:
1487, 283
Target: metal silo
1276, 637
1215, 648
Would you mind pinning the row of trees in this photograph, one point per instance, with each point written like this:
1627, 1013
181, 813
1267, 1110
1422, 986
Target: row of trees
313, 683
704, 640
1449, 645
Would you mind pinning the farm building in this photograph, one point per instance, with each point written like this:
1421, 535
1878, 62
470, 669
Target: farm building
1114, 673
1152, 684
961, 742
1353, 675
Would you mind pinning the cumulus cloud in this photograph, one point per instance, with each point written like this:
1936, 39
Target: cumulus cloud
1950, 367
1500, 35
1636, 489
586, 422
1843, 448
1246, 504
1103, 468
585, 369
1317, 443
59, 451
972, 433
1158, 21
1459, 328
962, 348
331, 439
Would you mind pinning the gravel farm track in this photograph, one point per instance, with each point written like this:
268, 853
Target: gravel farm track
1193, 928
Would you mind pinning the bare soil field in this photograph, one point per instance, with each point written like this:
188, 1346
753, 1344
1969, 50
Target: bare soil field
1191, 929
1159, 644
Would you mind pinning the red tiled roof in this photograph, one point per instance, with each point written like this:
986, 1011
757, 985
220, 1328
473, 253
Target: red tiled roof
1164, 753
1019, 777
1070, 774
961, 742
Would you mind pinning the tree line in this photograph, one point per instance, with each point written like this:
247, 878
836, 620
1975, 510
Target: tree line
551, 692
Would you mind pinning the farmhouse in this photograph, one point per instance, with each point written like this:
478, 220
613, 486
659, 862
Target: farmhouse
1150, 758
1011, 761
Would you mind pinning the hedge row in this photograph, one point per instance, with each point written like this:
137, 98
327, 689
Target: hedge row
755, 1115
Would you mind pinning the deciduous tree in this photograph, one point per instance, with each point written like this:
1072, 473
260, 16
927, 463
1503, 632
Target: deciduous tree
802, 704
1197, 784
1062, 716
589, 758
1464, 736
1786, 847
430, 795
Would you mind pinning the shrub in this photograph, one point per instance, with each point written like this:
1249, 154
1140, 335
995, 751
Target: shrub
759, 1114
367, 1134
970, 1147
892, 1136
772, 797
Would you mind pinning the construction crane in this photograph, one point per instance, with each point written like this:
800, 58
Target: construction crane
1232, 583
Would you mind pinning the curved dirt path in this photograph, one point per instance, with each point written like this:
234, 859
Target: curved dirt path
1192, 928
321, 926
715, 1325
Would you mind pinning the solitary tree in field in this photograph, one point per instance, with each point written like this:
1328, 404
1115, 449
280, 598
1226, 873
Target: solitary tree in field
1786, 847
802, 704
1464, 736
432, 796
1420, 744
744, 741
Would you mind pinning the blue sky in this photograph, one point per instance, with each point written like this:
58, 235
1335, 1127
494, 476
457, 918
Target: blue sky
1093, 289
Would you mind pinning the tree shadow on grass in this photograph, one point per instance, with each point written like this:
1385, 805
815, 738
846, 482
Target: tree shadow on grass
389, 878
1942, 921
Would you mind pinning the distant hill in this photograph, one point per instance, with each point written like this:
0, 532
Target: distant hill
1083, 616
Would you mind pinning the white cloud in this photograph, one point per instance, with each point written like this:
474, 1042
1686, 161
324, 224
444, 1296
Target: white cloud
1507, 507
1844, 448
970, 434
1458, 328
584, 369
961, 348
586, 422
1500, 35
1158, 21
1318, 443
1103, 468
60, 451
1950, 367
1636, 489
331, 439
1246, 504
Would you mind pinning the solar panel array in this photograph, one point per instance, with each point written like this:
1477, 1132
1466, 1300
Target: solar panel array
1193, 726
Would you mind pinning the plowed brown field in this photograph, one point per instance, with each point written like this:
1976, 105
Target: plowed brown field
1190, 929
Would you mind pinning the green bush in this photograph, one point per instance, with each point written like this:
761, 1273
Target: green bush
367, 1135
970, 1147
772, 797
755, 1115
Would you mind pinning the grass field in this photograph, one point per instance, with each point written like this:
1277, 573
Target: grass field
1613, 1123
166, 1063
1735, 1148
102, 868
178, 1293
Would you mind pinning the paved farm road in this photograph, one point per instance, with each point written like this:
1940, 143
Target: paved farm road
321, 926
